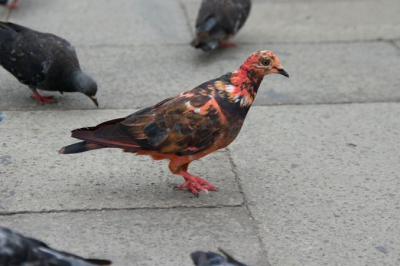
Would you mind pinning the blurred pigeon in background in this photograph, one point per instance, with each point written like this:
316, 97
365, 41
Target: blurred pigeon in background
43, 61
15, 249
2, 116
201, 258
9, 3
219, 20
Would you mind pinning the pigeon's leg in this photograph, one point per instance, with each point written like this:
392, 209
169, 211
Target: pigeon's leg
41, 99
179, 165
14, 4
194, 183
227, 43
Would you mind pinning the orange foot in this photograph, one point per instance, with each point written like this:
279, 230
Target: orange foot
41, 99
15, 4
195, 184
226, 44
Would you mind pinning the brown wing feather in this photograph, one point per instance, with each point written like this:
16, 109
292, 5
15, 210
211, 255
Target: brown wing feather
183, 125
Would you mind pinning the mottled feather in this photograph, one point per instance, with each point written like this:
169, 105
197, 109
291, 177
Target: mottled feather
189, 125
218, 20
16, 249
201, 258
42, 61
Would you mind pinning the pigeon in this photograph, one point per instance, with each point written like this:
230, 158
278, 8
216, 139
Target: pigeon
187, 126
10, 4
43, 61
16, 249
219, 20
2, 116
201, 258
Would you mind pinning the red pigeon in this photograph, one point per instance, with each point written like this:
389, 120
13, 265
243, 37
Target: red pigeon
188, 126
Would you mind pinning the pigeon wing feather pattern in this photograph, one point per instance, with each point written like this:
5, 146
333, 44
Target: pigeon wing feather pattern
218, 20
43, 61
201, 258
16, 249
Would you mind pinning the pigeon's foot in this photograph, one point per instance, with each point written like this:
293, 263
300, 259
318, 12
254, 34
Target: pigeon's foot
14, 4
226, 44
41, 99
195, 184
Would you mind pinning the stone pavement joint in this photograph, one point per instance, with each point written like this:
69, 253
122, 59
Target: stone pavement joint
184, 10
120, 209
253, 221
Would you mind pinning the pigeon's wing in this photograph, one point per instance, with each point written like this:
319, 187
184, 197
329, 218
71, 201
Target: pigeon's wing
201, 258
217, 19
230, 259
28, 54
15, 249
183, 125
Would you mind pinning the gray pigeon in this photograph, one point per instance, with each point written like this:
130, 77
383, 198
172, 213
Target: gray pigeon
2, 116
219, 20
43, 61
201, 258
17, 250
9, 3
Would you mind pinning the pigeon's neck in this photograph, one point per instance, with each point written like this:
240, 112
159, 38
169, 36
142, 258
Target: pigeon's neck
242, 86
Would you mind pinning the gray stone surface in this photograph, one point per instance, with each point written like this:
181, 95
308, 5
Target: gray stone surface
322, 182
144, 237
315, 21
4, 12
34, 177
397, 44
318, 184
136, 77
103, 22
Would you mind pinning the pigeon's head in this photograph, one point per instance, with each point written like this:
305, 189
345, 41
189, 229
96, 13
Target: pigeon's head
264, 63
87, 85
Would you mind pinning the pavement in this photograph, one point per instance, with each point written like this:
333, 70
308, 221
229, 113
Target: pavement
312, 179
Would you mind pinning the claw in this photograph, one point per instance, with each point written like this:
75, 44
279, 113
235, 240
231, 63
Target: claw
195, 184
41, 99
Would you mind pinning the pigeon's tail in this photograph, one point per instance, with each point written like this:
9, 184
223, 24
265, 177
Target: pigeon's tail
98, 262
105, 135
80, 147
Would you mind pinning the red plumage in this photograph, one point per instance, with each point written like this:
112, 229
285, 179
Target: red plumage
187, 126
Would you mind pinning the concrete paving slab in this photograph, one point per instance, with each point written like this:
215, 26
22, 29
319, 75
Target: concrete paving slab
34, 177
322, 182
136, 77
102, 22
315, 21
397, 44
4, 13
145, 237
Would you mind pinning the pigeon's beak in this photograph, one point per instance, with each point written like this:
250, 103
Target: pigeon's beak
94, 99
283, 72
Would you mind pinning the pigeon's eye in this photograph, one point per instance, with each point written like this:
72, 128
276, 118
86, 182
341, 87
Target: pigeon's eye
265, 62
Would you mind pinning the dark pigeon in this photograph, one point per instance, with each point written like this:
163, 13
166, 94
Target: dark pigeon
201, 258
2, 116
43, 61
15, 249
9, 3
219, 20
